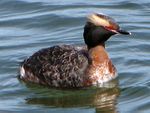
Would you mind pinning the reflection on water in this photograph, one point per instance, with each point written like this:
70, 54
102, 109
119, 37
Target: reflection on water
101, 99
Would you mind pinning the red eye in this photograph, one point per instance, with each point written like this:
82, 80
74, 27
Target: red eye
111, 28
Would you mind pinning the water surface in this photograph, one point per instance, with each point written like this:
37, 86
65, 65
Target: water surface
28, 25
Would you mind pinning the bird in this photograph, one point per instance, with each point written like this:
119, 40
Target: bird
69, 66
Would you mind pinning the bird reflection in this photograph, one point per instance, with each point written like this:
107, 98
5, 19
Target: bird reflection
104, 100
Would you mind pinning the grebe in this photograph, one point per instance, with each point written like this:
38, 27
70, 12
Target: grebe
66, 66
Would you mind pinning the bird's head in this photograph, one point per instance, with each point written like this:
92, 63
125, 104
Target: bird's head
99, 28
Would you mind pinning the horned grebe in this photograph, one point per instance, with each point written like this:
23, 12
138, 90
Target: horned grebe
66, 66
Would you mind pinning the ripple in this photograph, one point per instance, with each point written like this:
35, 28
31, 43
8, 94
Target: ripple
134, 96
29, 25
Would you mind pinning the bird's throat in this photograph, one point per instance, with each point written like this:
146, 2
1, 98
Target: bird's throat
98, 54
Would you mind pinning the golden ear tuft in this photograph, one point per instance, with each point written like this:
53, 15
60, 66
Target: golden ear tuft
98, 20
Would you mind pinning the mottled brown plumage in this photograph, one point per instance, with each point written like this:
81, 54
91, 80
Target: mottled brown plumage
57, 66
71, 67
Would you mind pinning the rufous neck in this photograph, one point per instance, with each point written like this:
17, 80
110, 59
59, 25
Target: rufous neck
98, 54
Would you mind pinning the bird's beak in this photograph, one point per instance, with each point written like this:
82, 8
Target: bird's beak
123, 32
119, 31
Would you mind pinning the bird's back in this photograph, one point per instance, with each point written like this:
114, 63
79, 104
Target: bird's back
57, 66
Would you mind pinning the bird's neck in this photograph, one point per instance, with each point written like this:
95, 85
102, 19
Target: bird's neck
101, 68
98, 54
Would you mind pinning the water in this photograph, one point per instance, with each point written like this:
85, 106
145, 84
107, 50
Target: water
28, 25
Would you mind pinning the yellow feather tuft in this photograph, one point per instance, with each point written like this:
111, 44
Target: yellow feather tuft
98, 21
